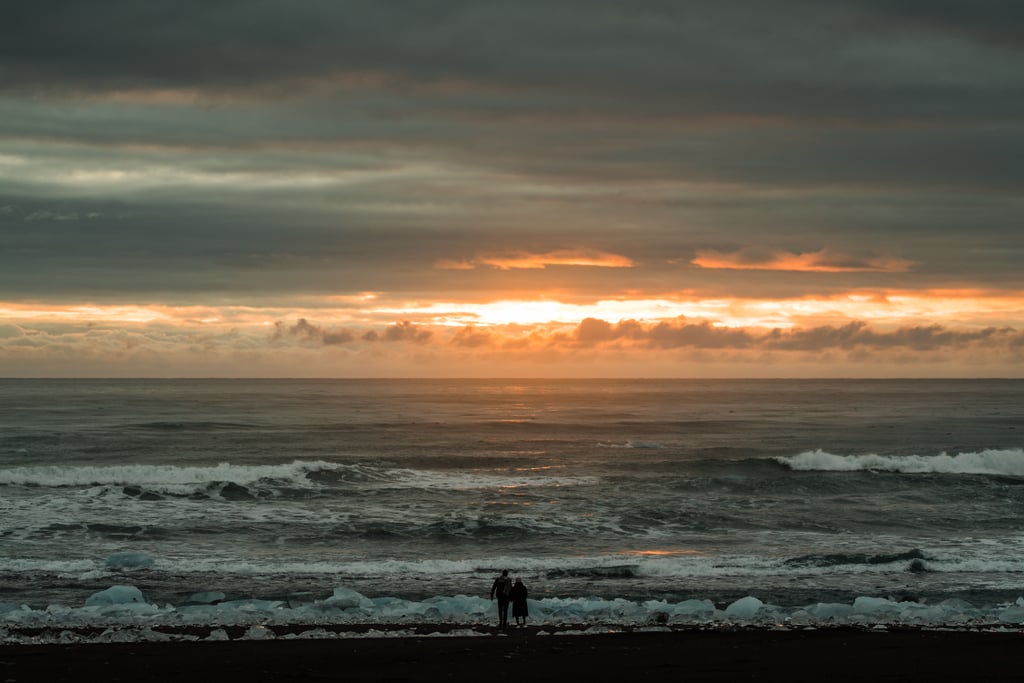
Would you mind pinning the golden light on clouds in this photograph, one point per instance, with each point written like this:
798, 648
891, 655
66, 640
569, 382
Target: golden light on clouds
13, 312
975, 308
375, 335
526, 312
823, 261
964, 307
238, 210
526, 260
84, 313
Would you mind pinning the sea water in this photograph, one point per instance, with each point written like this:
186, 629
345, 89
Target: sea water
208, 501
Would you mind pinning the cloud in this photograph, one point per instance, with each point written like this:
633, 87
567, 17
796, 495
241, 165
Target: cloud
473, 337
530, 261
684, 333
859, 334
648, 54
404, 331
453, 264
663, 335
10, 331
681, 347
464, 151
306, 331
823, 261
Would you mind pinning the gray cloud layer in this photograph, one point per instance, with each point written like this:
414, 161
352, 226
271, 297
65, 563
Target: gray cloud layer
178, 150
724, 56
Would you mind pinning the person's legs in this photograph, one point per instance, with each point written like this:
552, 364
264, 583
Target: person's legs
502, 612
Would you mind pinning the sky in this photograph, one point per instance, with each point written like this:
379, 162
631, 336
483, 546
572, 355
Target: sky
539, 188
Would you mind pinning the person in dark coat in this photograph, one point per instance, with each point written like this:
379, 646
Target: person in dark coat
519, 608
502, 589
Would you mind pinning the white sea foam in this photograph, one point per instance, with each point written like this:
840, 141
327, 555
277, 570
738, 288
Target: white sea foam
461, 480
686, 567
161, 477
175, 480
632, 443
1009, 462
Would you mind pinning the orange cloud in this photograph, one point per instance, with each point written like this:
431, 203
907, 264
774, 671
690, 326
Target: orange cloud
823, 261
684, 333
682, 346
526, 260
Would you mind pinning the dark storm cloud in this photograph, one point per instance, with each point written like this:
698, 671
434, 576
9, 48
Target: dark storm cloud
997, 21
823, 59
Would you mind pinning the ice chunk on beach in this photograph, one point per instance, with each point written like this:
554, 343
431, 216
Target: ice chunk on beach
258, 632
694, 608
829, 611
116, 595
882, 609
346, 598
744, 608
874, 606
132, 635
129, 560
1012, 615
7, 607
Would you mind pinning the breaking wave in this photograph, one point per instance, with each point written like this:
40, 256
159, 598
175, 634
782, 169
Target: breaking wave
1006, 462
167, 477
142, 480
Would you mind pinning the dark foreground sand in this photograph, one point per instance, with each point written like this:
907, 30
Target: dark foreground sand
822, 656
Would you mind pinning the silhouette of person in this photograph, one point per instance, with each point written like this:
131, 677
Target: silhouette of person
518, 596
502, 588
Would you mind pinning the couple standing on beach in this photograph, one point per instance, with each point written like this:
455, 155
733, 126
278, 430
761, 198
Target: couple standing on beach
505, 591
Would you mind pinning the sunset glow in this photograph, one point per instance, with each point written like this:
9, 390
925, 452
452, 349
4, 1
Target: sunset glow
638, 195
973, 308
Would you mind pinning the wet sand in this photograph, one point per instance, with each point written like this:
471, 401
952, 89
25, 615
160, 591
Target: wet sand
523, 655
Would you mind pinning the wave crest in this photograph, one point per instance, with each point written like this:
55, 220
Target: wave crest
164, 477
1006, 462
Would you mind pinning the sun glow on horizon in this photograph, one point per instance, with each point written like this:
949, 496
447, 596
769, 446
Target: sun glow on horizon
892, 309
887, 309
542, 312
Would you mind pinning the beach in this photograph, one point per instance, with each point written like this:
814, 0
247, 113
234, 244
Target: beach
526, 654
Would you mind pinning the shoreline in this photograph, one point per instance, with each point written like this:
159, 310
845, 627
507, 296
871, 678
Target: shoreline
821, 654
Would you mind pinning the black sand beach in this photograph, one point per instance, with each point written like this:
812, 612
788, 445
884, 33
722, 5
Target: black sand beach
523, 655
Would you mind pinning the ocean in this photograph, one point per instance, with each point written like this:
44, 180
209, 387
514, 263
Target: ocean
625, 499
